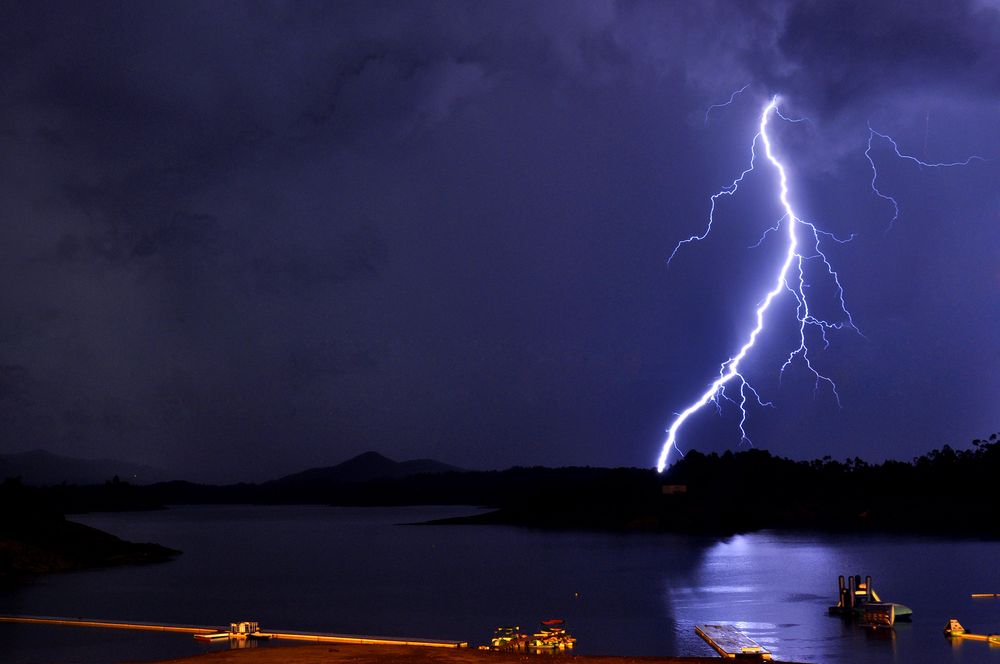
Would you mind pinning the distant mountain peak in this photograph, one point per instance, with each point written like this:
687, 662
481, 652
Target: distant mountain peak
370, 455
366, 467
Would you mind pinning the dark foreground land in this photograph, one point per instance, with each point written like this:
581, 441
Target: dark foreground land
37, 539
317, 654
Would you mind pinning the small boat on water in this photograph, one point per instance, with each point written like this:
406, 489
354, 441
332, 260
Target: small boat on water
238, 631
553, 636
508, 638
857, 599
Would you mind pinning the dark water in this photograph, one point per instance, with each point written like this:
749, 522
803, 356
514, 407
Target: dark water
354, 571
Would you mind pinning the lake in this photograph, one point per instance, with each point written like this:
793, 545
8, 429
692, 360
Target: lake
355, 570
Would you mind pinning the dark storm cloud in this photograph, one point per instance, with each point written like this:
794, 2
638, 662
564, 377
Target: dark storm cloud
353, 254
302, 230
843, 52
14, 383
174, 238
389, 97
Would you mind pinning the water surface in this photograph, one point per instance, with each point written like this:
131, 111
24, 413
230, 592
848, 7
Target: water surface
354, 570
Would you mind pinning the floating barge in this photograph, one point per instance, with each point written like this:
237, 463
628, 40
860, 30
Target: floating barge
857, 599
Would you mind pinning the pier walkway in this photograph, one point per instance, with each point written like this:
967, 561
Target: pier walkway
311, 637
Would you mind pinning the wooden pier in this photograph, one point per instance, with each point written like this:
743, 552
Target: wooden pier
197, 630
729, 642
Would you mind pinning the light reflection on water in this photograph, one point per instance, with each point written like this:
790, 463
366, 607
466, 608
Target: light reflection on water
774, 589
354, 571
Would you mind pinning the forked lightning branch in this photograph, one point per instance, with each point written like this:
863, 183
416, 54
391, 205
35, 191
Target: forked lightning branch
803, 255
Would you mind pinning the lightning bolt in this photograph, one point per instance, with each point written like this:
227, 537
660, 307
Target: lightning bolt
801, 253
872, 134
732, 98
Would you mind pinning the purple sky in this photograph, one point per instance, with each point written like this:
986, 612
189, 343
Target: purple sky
248, 238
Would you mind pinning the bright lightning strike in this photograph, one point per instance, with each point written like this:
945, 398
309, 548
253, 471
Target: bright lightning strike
791, 278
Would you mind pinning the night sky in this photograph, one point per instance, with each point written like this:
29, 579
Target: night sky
243, 239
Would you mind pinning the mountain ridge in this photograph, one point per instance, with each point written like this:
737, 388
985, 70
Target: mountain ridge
40, 467
364, 467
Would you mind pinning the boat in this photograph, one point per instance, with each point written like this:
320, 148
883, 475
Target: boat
508, 638
238, 631
552, 637
857, 599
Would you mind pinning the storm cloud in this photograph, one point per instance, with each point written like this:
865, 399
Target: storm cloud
287, 233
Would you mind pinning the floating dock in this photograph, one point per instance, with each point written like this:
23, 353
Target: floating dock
729, 642
954, 630
319, 637
110, 624
203, 633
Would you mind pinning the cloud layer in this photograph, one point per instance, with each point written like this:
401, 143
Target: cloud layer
297, 231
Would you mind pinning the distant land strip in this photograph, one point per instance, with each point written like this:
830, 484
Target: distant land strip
947, 491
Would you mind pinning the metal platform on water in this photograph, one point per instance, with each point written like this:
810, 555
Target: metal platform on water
729, 642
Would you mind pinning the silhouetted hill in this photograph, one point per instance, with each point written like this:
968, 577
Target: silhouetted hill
42, 468
35, 538
362, 468
946, 491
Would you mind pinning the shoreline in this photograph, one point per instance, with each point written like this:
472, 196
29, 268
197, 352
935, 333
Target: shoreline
379, 654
